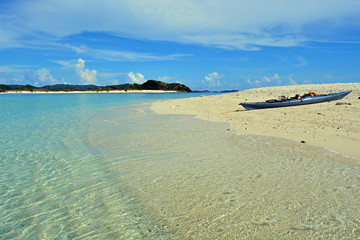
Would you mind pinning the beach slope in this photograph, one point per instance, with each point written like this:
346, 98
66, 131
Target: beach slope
333, 125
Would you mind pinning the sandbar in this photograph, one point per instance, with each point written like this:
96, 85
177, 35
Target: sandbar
332, 125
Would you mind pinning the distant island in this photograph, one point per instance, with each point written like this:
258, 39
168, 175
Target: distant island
148, 85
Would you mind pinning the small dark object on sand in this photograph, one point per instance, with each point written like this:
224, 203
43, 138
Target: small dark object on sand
302, 141
342, 103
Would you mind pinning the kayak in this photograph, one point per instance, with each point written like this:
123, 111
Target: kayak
295, 102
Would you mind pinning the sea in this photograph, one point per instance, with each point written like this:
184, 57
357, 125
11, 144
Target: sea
104, 166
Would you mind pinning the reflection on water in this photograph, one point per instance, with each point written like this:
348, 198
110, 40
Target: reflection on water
201, 181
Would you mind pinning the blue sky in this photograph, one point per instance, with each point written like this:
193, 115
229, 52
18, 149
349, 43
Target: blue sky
205, 44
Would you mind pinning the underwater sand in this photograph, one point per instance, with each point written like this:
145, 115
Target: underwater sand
200, 180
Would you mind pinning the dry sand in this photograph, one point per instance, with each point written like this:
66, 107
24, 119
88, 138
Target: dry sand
330, 125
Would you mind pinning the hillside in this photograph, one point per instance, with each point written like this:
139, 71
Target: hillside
148, 85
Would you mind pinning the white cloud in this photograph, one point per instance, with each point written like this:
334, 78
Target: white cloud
256, 83
21, 74
292, 80
45, 76
79, 50
40, 77
8, 78
266, 81
247, 24
113, 55
136, 77
272, 80
212, 79
65, 64
86, 75
165, 78
276, 79
244, 41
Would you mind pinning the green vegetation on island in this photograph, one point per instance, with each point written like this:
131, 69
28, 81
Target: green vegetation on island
148, 85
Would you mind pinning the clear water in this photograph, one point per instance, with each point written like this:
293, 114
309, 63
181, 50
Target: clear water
102, 166
53, 183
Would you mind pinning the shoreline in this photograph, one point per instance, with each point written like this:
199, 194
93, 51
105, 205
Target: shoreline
113, 91
327, 125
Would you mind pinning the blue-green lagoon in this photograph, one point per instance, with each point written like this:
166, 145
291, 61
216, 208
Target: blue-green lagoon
103, 166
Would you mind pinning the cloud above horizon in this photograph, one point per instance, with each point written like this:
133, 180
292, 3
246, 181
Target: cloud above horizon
212, 80
136, 77
229, 24
86, 75
45, 76
118, 56
267, 81
165, 78
38, 77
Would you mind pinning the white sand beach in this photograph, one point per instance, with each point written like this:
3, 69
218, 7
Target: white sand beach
333, 125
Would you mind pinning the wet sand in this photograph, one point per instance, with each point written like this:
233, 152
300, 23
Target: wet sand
198, 180
333, 125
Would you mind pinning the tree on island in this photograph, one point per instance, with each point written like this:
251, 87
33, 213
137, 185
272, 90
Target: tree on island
148, 85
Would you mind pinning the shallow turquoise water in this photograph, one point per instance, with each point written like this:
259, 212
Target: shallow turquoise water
102, 166
53, 183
